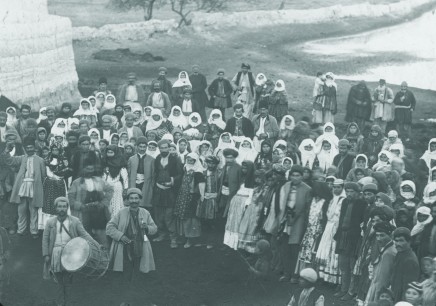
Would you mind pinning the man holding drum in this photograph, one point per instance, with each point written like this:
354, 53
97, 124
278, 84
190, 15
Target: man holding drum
57, 233
131, 251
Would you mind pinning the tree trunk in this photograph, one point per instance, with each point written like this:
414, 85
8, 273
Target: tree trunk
148, 10
282, 5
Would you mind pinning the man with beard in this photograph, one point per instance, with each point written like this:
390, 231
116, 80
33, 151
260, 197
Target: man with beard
199, 85
165, 85
382, 267
343, 161
49, 121
9, 212
131, 92
27, 191
106, 130
4, 128
90, 197
239, 126
384, 109
405, 103
168, 172
265, 126
140, 168
244, 83
406, 266
131, 250
57, 233
220, 92
84, 153
159, 99
359, 105
72, 147
21, 123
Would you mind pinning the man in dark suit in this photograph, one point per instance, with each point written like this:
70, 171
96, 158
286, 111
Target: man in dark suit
238, 125
220, 92
140, 168
168, 172
230, 181
344, 160
199, 85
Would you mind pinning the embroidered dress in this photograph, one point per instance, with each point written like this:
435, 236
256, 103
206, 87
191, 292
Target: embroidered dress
118, 183
209, 208
326, 257
234, 216
310, 240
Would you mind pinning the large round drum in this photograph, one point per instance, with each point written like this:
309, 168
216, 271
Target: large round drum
79, 255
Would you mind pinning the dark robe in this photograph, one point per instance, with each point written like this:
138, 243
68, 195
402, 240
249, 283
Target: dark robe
247, 127
174, 170
422, 244
359, 103
250, 79
405, 270
343, 165
199, 85
77, 162
213, 91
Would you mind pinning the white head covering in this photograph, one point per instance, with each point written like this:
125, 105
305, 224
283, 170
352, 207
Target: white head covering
192, 123
325, 158
218, 122
209, 151
95, 142
330, 82
138, 108
283, 125
429, 155
260, 79
153, 124
145, 113
197, 166
71, 121
364, 157
98, 103
307, 157
168, 136
280, 86
181, 82
155, 153
397, 146
110, 105
59, 131
427, 198
123, 142
179, 121
41, 116
85, 112
246, 153
330, 136
11, 118
408, 195
280, 142
224, 145
419, 226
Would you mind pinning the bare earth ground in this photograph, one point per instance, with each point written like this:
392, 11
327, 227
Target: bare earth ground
200, 276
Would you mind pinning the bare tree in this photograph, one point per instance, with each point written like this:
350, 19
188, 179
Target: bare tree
282, 5
210, 5
146, 5
180, 7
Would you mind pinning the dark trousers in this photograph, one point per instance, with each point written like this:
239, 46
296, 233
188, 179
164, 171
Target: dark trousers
288, 255
9, 213
64, 281
346, 265
130, 267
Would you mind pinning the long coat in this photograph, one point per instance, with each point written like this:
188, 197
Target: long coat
76, 229
235, 179
405, 270
382, 271
199, 85
271, 127
147, 189
117, 227
301, 212
359, 103
39, 176
122, 94
247, 127
213, 91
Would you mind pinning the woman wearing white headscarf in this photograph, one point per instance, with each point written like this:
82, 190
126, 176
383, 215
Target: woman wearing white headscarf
177, 118
94, 134
178, 87
225, 141
42, 114
423, 217
195, 131
383, 162
215, 127
307, 151
329, 132
100, 100
109, 105
59, 127
287, 126
429, 195
246, 151
263, 89
329, 106
428, 160
326, 154
278, 101
12, 116
86, 111
158, 124
152, 149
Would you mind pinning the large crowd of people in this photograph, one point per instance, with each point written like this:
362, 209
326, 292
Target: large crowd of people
304, 203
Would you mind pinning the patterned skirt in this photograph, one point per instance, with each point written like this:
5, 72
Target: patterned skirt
53, 189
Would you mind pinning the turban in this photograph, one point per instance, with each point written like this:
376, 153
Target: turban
129, 115
84, 138
28, 141
386, 212
352, 185
338, 182
384, 227
344, 142
140, 140
246, 66
309, 274
230, 152
106, 117
61, 199
212, 159
163, 141
134, 191
297, 168
371, 187
402, 232
221, 70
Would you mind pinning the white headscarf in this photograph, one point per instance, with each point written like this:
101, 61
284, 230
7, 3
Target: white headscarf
419, 226
280, 142
280, 86
283, 125
137, 108
71, 121
85, 112
41, 116
122, 142
98, 103
381, 164
155, 153
168, 136
330, 82
181, 82
260, 79
427, 198
325, 158
153, 124
330, 136
224, 145
209, 151
197, 166
109, 105
93, 141
429, 155
11, 118
112, 136
192, 123
408, 195
399, 147
179, 121
145, 113
307, 157
246, 153
218, 122
364, 157
59, 131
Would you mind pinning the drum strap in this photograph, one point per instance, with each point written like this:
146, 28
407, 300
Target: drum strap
66, 231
